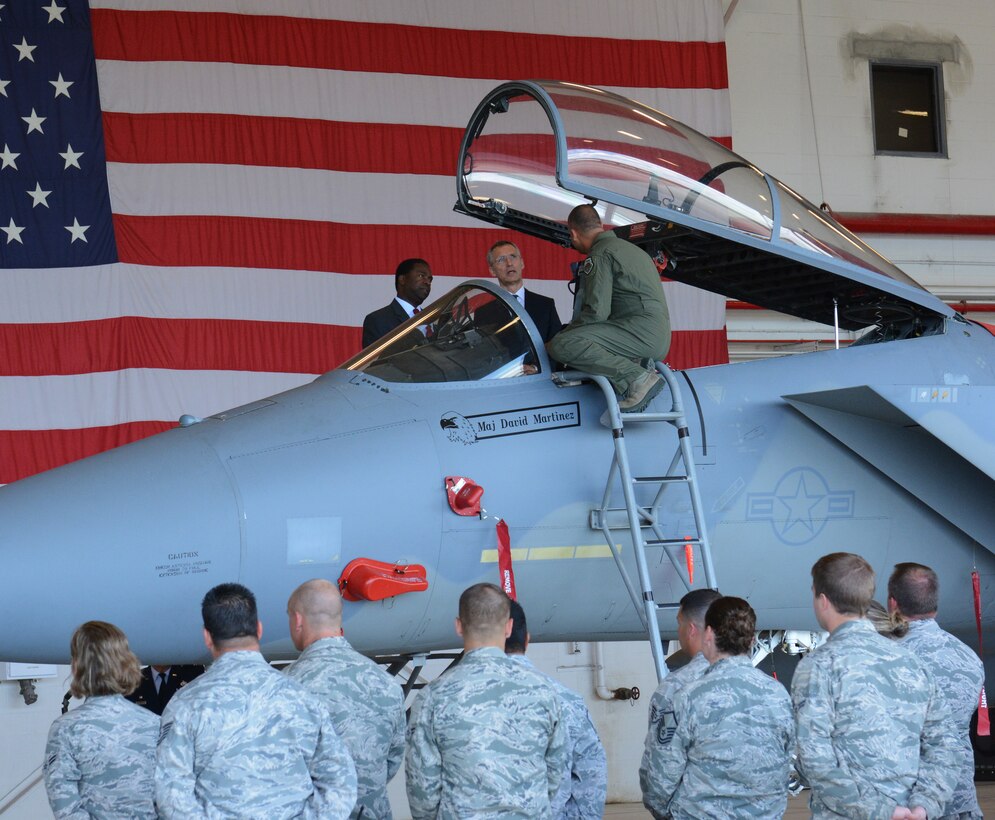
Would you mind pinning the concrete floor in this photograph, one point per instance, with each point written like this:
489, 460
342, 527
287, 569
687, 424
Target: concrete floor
797, 806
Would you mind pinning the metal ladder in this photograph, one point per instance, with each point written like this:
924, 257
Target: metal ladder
641, 518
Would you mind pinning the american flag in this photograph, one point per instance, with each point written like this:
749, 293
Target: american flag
203, 198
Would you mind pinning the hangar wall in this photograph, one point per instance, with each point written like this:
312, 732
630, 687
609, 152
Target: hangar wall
801, 109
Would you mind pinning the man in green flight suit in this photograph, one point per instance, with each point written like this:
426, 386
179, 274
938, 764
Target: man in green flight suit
621, 313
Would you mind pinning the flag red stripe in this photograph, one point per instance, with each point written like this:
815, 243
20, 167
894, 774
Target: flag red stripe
26, 452
229, 139
402, 49
297, 244
290, 142
697, 348
174, 344
218, 344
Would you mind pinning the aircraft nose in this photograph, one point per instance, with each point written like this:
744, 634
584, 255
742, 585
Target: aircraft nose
134, 536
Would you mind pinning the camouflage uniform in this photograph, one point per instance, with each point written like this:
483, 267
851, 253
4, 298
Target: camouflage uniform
367, 707
584, 787
730, 753
243, 740
662, 718
99, 760
620, 315
871, 728
959, 675
485, 740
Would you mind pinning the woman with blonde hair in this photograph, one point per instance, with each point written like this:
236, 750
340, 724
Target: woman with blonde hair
100, 758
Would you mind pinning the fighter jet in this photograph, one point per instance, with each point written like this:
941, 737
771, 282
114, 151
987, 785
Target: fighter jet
392, 473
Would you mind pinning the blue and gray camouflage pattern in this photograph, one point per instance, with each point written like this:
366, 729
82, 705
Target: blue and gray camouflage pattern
244, 740
367, 707
662, 719
487, 740
959, 675
871, 728
584, 788
730, 754
99, 760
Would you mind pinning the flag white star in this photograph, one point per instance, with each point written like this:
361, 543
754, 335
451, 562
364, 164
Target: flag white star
13, 232
3, 86
54, 12
25, 51
7, 157
34, 122
71, 157
62, 86
38, 196
78, 231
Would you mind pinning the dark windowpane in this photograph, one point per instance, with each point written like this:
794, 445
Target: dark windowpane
906, 114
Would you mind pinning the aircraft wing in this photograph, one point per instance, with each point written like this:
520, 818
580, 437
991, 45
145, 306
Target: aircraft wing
933, 440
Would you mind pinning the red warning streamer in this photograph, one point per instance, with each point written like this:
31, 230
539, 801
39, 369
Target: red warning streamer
504, 559
984, 725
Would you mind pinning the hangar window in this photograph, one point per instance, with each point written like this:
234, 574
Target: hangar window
907, 106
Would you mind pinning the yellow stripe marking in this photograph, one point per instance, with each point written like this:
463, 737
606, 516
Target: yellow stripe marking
551, 553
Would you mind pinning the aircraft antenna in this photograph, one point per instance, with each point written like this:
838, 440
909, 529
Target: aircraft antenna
836, 321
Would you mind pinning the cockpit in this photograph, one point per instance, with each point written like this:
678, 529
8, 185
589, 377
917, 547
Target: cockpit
533, 150
470, 334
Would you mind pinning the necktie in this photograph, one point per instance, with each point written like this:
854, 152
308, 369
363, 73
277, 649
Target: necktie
415, 311
160, 680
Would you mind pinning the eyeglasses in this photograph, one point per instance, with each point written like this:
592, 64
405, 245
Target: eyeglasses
506, 258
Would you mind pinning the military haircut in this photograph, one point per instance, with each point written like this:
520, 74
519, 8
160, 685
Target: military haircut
695, 604
915, 588
229, 612
516, 641
584, 219
495, 246
734, 624
483, 608
103, 663
319, 601
847, 580
404, 268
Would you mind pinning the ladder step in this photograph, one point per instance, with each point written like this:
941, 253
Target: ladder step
670, 542
634, 417
669, 606
658, 479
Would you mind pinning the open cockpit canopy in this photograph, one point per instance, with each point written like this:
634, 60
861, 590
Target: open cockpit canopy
534, 150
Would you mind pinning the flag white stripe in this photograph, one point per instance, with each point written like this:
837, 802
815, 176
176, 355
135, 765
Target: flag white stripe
262, 295
122, 396
285, 193
631, 19
347, 96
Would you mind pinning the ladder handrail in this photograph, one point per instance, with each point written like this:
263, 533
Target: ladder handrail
640, 517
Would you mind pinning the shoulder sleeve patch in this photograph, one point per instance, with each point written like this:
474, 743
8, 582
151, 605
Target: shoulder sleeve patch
587, 266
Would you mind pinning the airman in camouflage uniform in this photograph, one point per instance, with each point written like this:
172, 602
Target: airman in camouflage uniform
99, 760
487, 738
914, 591
730, 752
100, 757
662, 716
367, 704
243, 740
584, 787
872, 740
620, 316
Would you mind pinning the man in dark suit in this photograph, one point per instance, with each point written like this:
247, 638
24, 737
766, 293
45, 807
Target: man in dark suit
413, 283
506, 263
160, 683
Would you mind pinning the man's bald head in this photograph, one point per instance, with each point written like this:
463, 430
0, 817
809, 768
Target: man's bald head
584, 225
484, 615
315, 611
